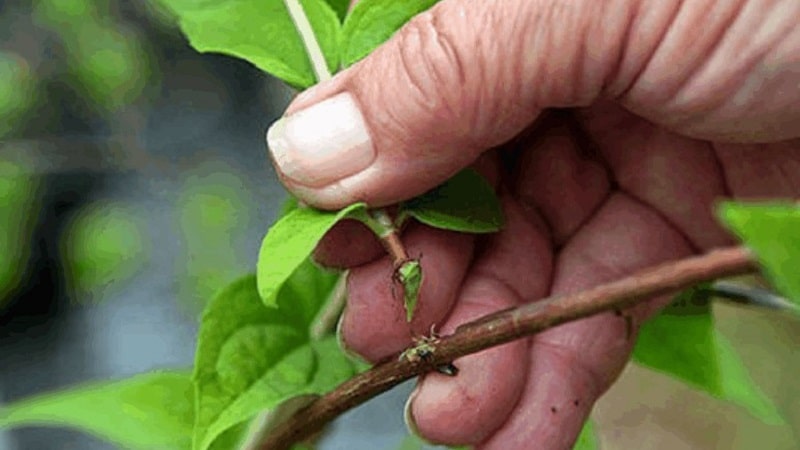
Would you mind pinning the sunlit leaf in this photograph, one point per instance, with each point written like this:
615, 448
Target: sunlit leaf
772, 231
261, 32
372, 22
465, 203
152, 411
683, 342
290, 242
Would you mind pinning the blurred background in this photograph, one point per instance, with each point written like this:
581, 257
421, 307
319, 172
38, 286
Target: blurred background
134, 183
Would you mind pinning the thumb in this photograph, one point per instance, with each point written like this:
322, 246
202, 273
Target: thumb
456, 80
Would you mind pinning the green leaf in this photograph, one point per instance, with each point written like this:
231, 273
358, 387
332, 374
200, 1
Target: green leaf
261, 32
463, 203
373, 22
305, 293
289, 242
587, 440
151, 411
772, 231
410, 276
682, 342
251, 358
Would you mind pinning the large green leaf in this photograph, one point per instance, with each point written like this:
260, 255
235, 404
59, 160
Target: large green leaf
772, 231
465, 202
152, 411
683, 342
289, 242
251, 358
372, 22
305, 293
262, 32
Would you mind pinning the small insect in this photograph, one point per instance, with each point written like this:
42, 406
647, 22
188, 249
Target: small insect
423, 349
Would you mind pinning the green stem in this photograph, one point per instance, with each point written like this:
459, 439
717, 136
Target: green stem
378, 220
313, 49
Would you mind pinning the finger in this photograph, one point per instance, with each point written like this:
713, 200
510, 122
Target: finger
560, 179
374, 321
714, 70
571, 365
678, 176
458, 79
465, 409
762, 171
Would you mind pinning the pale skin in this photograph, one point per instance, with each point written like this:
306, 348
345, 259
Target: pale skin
668, 107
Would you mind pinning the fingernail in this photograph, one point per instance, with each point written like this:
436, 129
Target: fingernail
322, 143
343, 344
408, 415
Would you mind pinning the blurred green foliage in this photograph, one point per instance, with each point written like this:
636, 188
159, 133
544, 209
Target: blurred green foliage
213, 217
17, 90
18, 211
104, 245
107, 61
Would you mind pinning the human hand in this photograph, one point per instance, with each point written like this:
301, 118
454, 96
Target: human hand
673, 105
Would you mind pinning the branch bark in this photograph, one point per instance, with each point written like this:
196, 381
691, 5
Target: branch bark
504, 326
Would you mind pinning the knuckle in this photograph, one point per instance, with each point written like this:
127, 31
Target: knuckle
432, 61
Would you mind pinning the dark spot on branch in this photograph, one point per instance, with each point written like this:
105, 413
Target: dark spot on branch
553, 409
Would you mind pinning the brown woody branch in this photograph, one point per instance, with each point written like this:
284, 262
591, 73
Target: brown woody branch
504, 326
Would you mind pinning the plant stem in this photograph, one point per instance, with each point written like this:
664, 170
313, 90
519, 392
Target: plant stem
504, 326
303, 26
390, 239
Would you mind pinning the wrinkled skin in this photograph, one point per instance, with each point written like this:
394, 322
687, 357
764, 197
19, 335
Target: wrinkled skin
667, 107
